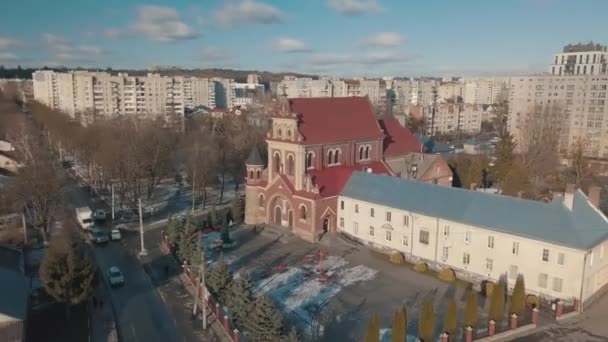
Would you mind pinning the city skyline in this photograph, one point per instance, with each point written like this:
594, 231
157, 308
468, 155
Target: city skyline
349, 37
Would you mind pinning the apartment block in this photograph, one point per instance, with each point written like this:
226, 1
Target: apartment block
451, 118
580, 59
575, 105
305, 87
451, 91
99, 93
559, 247
485, 90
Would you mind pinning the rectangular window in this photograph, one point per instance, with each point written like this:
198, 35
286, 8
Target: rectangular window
515, 248
424, 237
404, 240
489, 264
406, 220
561, 258
445, 253
371, 212
388, 235
513, 272
355, 228
467, 236
356, 208
341, 222
490, 241
542, 280
342, 205
371, 231
466, 258
446, 231
388, 216
545, 255
557, 284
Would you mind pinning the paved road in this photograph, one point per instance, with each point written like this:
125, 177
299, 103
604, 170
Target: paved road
142, 315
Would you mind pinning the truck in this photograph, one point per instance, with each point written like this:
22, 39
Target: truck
84, 215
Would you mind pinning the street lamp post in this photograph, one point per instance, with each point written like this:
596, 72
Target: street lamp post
112, 202
204, 290
143, 251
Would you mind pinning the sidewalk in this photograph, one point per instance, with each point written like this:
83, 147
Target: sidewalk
103, 327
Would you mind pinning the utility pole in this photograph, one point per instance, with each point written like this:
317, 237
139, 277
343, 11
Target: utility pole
433, 111
24, 229
112, 202
193, 187
143, 251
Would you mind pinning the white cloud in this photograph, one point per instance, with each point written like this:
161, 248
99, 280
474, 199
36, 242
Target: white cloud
375, 58
162, 24
6, 57
8, 43
286, 44
115, 33
386, 39
354, 7
63, 50
52, 39
247, 12
212, 53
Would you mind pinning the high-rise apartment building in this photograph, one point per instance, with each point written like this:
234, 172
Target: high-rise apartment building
253, 79
485, 90
84, 94
295, 87
580, 59
575, 105
450, 118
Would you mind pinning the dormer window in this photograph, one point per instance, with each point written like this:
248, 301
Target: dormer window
330, 157
309, 159
337, 157
333, 157
367, 149
361, 149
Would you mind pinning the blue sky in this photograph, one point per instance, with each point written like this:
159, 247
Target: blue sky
333, 37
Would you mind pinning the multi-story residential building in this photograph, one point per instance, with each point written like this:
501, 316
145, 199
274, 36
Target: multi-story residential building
245, 93
295, 87
485, 90
463, 117
453, 91
560, 248
576, 106
98, 93
327, 87
24, 88
224, 92
253, 79
580, 59
423, 91
403, 93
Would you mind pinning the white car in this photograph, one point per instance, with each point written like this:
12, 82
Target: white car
115, 277
115, 234
100, 215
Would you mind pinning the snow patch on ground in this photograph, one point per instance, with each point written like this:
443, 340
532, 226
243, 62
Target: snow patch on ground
359, 273
275, 282
310, 292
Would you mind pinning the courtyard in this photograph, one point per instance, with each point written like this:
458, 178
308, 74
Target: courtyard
331, 297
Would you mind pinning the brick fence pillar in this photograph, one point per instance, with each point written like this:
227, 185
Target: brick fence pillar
513, 321
577, 305
559, 309
236, 335
535, 316
469, 334
217, 311
226, 324
491, 328
444, 337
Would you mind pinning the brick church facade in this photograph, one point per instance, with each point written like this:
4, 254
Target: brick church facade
314, 145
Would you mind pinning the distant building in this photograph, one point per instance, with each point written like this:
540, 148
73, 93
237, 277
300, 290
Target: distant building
580, 59
558, 247
245, 93
451, 118
224, 93
253, 79
485, 90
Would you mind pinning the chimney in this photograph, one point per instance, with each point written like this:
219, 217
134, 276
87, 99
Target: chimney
569, 196
473, 186
593, 193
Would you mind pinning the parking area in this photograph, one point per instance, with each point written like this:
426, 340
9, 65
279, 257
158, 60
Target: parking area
339, 305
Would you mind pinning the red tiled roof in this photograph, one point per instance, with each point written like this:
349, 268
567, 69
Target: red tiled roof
399, 140
331, 120
332, 179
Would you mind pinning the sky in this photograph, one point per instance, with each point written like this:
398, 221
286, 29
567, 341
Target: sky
345, 38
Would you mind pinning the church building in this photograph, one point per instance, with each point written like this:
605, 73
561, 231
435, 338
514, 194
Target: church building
314, 146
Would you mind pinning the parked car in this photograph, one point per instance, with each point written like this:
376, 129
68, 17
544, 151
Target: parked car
127, 215
115, 234
115, 277
98, 235
100, 215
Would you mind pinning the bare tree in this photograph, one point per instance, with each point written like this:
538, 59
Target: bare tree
580, 168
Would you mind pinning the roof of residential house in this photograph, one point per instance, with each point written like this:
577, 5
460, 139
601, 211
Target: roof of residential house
582, 228
422, 161
399, 140
335, 119
331, 180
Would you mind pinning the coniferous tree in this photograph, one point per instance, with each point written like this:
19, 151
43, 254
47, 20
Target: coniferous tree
237, 209
225, 233
399, 331
187, 243
292, 336
67, 272
213, 217
240, 299
450, 322
219, 279
174, 228
196, 257
518, 298
471, 310
496, 311
265, 322
426, 322
373, 329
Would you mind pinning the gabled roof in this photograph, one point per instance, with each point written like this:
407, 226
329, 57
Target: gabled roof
254, 159
582, 228
335, 119
399, 140
331, 180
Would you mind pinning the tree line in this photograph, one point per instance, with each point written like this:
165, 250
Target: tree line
427, 318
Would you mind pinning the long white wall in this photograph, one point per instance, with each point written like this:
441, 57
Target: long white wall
472, 251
